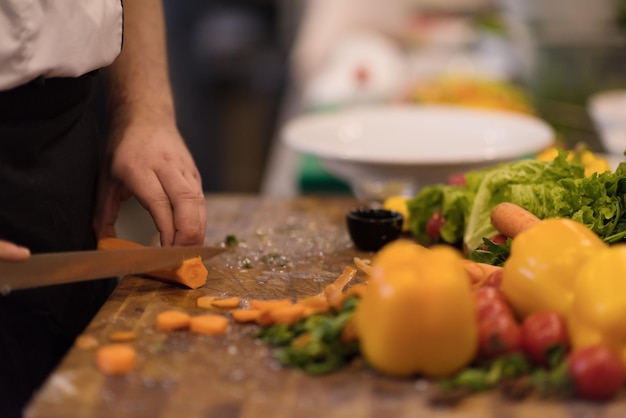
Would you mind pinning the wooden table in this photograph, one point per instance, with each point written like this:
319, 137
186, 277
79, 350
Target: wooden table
289, 247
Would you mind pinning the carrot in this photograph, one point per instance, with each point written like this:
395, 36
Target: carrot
172, 320
191, 273
122, 336
287, 314
510, 219
314, 304
205, 302
245, 315
209, 324
266, 305
363, 265
478, 272
334, 291
227, 303
356, 290
116, 359
86, 342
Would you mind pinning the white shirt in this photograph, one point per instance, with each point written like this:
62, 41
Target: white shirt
57, 38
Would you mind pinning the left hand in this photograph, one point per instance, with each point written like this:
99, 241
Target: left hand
152, 163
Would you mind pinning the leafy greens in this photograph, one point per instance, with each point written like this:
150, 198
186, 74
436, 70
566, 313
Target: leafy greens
557, 188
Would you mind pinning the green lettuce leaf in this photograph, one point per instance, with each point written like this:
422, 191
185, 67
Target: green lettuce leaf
547, 189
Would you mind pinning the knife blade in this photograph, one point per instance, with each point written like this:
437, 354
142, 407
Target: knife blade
75, 266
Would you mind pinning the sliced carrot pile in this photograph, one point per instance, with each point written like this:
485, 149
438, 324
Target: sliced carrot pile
227, 303
172, 320
191, 273
283, 311
208, 324
122, 336
116, 359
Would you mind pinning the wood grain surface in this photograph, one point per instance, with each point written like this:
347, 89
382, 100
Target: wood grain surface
288, 248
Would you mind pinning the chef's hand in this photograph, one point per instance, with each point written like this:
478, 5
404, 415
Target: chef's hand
13, 252
152, 163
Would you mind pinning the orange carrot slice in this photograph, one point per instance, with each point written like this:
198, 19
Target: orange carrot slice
86, 342
116, 359
287, 314
191, 273
204, 302
209, 324
227, 303
245, 315
268, 304
315, 304
172, 320
122, 336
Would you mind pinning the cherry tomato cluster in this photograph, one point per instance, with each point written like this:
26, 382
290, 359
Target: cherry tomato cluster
595, 372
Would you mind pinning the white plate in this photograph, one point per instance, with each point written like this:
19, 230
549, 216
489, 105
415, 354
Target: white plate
413, 145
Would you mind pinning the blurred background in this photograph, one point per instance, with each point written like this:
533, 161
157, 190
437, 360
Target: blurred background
241, 67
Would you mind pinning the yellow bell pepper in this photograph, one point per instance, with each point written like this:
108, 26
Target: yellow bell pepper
598, 312
398, 203
541, 271
417, 315
590, 161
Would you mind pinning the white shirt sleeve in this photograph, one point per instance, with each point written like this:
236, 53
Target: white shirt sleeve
57, 38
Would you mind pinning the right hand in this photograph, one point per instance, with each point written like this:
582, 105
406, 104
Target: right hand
13, 252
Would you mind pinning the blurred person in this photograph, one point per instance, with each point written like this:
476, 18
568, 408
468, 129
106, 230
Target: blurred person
61, 186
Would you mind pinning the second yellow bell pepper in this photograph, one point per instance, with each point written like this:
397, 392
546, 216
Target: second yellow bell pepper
541, 271
598, 313
417, 315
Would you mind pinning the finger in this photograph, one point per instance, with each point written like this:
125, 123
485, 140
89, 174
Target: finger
189, 214
13, 252
154, 199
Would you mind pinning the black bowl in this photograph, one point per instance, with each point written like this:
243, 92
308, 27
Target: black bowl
370, 229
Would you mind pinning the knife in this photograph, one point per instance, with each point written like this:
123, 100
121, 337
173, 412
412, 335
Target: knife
75, 266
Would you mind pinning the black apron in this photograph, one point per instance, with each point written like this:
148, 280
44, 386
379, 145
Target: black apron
49, 157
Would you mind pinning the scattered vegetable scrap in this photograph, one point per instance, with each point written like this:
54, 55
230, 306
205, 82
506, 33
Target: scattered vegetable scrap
191, 273
116, 359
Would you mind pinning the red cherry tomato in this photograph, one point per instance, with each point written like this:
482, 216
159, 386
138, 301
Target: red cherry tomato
490, 302
541, 332
433, 226
498, 332
499, 239
597, 372
498, 335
